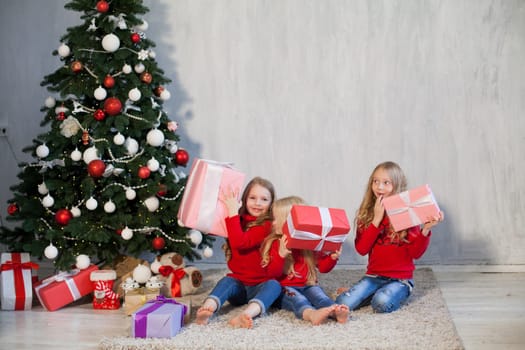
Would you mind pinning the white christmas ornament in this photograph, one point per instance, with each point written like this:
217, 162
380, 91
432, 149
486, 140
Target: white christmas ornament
91, 203
141, 273
130, 194
50, 102
42, 151
152, 54
126, 233
153, 164
90, 154
109, 207
119, 139
155, 137
152, 203
195, 237
139, 68
165, 95
48, 201
134, 94
207, 252
126, 69
61, 109
132, 146
64, 50
83, 261
75, 212
76, 155
42, 189
100, 93
142, 27
51, 251
155, 266
111, 43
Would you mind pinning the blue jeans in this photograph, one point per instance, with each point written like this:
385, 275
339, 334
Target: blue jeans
232, 290
383, 293
298, 299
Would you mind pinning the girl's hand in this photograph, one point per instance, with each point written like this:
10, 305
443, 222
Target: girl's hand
283, 250
379, 211
431, 222
335, 255
229, 198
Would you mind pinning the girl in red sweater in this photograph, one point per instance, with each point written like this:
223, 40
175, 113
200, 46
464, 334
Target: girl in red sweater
301, 292
248, 282
389, 277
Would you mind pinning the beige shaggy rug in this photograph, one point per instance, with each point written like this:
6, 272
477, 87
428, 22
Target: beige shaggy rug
423, 323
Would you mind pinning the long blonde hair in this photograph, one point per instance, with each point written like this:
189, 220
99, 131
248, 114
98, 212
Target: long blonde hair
365, 213
281, 209
243, 210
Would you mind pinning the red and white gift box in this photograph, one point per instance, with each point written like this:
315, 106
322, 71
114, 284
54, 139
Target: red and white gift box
411, 208
316, 228
16, 284
200, 207
64, 288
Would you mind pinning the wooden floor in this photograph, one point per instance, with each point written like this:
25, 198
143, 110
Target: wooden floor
487, 304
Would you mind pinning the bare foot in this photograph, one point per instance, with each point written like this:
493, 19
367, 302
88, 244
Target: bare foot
341, 313
341, 290
203, 315
241, 321
316, 317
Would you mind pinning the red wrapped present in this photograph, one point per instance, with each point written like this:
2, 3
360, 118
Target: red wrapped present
200, 207
62, 289
16, 292
103, 295
411, 208
316, 228
159, 318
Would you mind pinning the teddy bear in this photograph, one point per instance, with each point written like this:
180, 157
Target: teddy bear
180, 280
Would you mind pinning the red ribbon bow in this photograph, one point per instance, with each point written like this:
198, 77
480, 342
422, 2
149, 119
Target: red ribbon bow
13, 265
178, 274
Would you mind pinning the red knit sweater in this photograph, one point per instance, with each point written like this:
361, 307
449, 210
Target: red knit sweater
387, 258
245, 262
324, 264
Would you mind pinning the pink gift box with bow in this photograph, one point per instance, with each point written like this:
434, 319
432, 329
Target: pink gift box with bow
200, 207
16, 282
411, 208
316, 228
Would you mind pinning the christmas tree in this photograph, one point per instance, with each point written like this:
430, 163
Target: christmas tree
106, 178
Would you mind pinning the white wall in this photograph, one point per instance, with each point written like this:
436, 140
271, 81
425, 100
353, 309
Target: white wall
313, 94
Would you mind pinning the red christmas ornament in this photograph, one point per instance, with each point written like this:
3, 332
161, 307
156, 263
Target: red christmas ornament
108, 82
96, 168
85, 137
76, 66
158, 243
63, 216
158, 90
135, 38
163, 189
181, 157
12, 208
146, 77
99, 115
119, 231
144, 172
61, 116
112, 106
102, 6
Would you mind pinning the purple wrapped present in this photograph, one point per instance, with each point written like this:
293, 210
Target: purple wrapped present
158, 318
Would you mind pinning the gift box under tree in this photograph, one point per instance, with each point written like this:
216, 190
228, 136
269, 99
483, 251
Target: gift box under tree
65, 287
411, 208
316, 228
16, 283
200, 207
159, 318
136, 298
